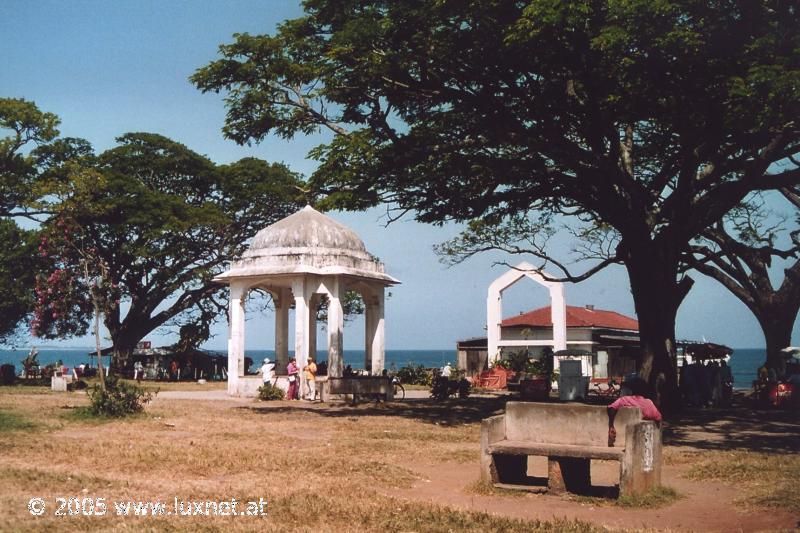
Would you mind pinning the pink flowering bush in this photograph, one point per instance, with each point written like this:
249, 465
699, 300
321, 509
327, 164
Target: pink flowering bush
64, 295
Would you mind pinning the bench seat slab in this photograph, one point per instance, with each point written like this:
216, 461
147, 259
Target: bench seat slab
510, 447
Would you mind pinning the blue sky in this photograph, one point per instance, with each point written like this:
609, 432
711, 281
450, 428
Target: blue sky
107, 68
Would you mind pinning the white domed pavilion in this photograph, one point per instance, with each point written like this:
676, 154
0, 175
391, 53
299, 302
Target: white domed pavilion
298, 260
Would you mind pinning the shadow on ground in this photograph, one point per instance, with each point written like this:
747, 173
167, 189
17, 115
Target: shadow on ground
447, 413
737, 428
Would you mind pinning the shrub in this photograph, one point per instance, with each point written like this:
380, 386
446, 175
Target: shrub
440, 390
414, 375
118, 400
443, 388
78, 385
517, 361
523, 362
268, 392
464, 387
7, 374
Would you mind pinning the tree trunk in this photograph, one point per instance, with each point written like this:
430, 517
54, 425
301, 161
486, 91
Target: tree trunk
657, 294
100, 371
777, 325
124, 340
124, 344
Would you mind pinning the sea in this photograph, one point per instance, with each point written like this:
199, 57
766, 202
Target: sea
744, 362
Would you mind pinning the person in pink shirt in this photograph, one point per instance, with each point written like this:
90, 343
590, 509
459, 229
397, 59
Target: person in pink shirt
635, 399
294, 384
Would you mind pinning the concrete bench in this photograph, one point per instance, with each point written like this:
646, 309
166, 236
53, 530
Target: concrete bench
358, 386
570, 436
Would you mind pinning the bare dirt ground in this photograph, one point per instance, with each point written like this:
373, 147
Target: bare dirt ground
408, 466
703, 506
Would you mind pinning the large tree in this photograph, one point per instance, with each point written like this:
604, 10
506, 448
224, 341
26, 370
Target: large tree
740, 252
143, 228
26, 132
654, 117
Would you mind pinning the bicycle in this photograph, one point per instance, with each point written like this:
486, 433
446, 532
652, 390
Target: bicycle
399, 390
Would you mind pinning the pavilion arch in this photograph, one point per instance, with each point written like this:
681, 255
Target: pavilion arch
494, 310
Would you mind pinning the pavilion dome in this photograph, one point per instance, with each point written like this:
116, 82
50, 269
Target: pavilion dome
308, 228
307, 242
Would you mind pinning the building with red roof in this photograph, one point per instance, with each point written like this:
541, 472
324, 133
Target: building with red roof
577, 317
611, 337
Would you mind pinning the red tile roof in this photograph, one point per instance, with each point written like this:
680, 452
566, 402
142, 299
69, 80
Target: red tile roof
576, 317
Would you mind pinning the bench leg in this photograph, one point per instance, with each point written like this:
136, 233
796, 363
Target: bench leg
568, 474
511, 469
640, 468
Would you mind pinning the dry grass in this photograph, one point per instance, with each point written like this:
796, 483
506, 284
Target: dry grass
483, 488
320, 469
11, 421
767, 480
652, 499
655, 498
152, 386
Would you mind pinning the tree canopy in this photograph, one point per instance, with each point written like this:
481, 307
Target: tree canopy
27, 128
654, 117
18, 266
149, 223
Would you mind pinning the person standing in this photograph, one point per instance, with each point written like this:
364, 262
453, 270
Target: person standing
138, 370
291, 370
447, 371
267, 371
727, 383
310, 373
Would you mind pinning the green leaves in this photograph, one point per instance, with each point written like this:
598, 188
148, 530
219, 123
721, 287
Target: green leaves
18, 265
26, 126
512, 104
162, 221
26, 123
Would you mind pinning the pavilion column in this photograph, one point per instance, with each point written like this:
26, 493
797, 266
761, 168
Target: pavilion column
282, 304
375, 348
312, 326
302, 328
369, 329
335, 329
235, 336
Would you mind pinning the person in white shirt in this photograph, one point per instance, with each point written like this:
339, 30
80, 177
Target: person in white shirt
267, 371
138, 370
447, 370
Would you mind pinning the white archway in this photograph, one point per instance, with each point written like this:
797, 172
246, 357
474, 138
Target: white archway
494, 311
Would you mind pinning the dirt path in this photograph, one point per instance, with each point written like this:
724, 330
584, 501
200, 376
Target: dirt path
705, 507
199, 395
223, 395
